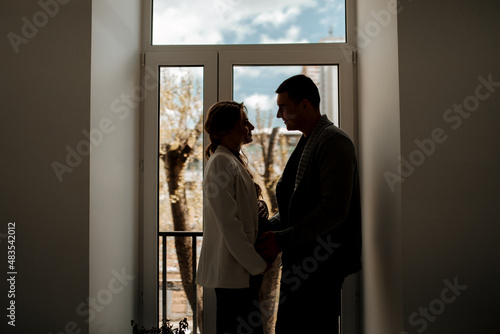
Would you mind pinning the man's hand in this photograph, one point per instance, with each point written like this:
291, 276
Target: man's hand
267, 246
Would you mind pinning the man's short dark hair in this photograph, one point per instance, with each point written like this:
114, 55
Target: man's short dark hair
300, 87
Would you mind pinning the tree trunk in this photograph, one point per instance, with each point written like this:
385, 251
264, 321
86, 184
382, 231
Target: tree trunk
174, 162
269, 292
268, 165
269, 296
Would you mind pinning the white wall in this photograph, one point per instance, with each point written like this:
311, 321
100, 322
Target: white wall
441, 239
114, 164
65, 88
379, 136
45, 103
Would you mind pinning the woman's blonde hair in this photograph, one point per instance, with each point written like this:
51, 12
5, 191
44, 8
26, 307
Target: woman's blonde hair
221, 119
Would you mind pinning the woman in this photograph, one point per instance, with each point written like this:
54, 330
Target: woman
228, 260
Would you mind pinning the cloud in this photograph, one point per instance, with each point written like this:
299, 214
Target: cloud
218, 21
330, 15
253, 72
262, 101
277, 18
180, 25
261, 78
254, 7
178, 73
249, 71
292, 36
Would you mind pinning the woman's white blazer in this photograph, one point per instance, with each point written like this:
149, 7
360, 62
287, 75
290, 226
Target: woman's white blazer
228, 256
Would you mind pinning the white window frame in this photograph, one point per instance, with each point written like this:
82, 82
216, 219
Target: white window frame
149, 206
223, 57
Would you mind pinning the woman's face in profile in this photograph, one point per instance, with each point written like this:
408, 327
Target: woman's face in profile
242, 131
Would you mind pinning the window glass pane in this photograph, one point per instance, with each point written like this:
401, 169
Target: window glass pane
180, 192
255, 86
248, 21
181, 149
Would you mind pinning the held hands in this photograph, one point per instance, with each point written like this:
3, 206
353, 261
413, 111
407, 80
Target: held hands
267, 247
266, 244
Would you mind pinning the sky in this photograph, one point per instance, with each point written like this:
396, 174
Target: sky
246, 21
256, 86
249, 22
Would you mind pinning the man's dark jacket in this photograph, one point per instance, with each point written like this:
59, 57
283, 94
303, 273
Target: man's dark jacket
318, 198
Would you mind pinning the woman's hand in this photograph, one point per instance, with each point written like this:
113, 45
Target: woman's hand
263, 210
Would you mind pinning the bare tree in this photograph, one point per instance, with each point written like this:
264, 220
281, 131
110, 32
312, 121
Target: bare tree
181, 121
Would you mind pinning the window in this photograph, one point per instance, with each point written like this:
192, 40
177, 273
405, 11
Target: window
248, 22
190, 78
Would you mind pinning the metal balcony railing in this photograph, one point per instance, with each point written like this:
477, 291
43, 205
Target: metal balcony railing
162, 282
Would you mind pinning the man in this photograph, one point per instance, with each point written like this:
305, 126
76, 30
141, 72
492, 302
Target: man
318, 226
